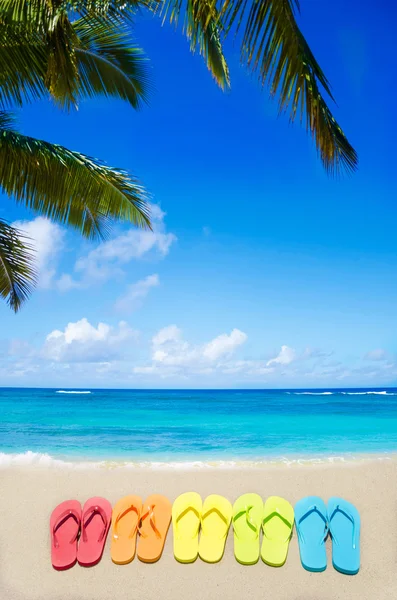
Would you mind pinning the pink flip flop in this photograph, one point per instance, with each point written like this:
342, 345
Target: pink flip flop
64, 529
95, 523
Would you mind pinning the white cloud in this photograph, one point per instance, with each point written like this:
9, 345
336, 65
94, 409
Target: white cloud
101, 354
136, 293
171, 350
224, 344
286, 356
47, 239
377, 354
66, 283
172, 333
80, 341
106, 261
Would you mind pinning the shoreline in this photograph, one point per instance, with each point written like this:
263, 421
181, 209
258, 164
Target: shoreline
38, 460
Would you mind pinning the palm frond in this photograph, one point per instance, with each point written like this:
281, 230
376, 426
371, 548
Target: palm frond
17, 273
62, 76
201, 26
23, 66
43, 12
108, 63
274, 47
207, 37
69, 187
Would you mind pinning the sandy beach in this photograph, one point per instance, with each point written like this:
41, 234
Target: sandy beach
29, 494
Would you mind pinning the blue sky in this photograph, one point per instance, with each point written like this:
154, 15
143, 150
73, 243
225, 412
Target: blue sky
261, 271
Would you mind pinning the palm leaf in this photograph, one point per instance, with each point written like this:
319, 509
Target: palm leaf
23, 66
67, 186
62, 76
200, 24
43, 13
17, 274
108, 62
274, 47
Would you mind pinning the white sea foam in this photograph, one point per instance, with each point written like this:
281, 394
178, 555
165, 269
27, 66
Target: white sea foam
72, 392
43, 460
312, 393
384, 393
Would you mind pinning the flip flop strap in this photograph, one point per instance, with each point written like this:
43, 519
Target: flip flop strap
63, 517
131, 508
310, 511
278, 513
181, 515
149, 513
350, 517
248, 520
87, 517
220, 514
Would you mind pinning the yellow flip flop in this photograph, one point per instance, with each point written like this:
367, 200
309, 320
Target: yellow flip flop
215, 522
247, 518
125, 520
186, 518
277, 525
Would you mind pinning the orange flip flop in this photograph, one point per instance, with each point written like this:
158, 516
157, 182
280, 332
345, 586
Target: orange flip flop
153, 528
64, 529
95, 523
125, 520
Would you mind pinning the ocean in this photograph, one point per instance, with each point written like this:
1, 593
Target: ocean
203, 427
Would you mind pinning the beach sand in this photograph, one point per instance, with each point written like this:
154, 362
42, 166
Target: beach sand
28, 495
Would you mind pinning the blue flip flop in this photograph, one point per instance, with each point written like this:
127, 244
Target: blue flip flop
311, 524
344, 525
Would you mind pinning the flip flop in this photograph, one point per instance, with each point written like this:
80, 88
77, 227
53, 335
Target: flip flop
215, 523
154, 523
311, 522
95, 523
64, 529
186, 517
247, 518
277, 526
125, 521
344, 526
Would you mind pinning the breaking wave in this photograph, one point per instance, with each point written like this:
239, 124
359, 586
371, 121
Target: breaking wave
72, 392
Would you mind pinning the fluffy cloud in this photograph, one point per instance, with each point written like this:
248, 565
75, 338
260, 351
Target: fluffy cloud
47, 239
83, 342
224, 344
107, 260
136, 293
172, 333
286, 356
169, 349
99, 354
377, 355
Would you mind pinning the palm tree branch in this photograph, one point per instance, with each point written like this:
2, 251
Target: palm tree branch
67, 186
201, 26
109, 63
274, 47
23, 66
17, 273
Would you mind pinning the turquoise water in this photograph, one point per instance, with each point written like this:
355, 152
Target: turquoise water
168, 426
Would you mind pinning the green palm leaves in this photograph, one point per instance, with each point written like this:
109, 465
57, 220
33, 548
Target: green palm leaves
17, 275
273, 47
71, 49
43, 52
